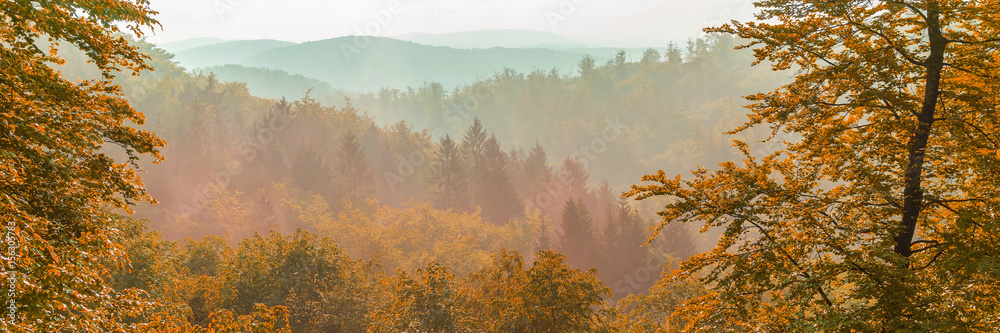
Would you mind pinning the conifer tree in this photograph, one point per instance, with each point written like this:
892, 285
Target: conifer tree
578, 242
450, 176
473, 145
537, 172
622, 242
574, 179
495, 191
354, 178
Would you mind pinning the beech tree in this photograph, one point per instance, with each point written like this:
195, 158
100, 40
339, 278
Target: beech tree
882, 215
60, 190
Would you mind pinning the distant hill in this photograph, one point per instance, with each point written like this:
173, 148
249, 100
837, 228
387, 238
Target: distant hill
484, 39
387, 62
181, 45
272, 83
225, 53
346, 63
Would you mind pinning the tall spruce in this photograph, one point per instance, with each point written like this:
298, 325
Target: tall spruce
473, 144
578, 242
353, 176
495, 191
537, 172
450, 176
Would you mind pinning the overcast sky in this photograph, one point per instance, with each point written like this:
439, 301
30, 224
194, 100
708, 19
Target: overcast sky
646, 21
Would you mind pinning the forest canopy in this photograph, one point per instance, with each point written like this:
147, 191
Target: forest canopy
854, 192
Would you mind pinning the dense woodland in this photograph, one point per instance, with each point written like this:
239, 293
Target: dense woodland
858, 195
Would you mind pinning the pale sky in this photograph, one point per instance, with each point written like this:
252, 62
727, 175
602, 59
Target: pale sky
647, 21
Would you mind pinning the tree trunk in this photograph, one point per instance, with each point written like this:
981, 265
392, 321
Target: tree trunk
913, 191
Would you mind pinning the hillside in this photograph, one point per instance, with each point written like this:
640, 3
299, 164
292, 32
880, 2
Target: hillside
187, 44
225, 53
272, 83
387, 62
484, 39
364, 64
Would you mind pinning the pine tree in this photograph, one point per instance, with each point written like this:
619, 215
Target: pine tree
622, 243
578, 243
473, 144
450, 176
573, 179
515, 166
495, 191
354, 178
537, 172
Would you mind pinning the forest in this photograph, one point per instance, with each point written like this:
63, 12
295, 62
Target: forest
827, 167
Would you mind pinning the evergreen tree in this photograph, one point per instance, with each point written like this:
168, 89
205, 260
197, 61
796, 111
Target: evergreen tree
622, 241
354, 178
515, 167
574, 178
649, 58
602, 199
537, 172
449, 176
495, 191
307, 168
578, 243
586, 66
473, 144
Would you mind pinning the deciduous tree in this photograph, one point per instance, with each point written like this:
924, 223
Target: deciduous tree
882, 216
60, 189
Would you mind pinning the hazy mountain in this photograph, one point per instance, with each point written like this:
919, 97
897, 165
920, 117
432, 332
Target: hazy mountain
181, 45
225, 53
484, 39
369, 63
272, 83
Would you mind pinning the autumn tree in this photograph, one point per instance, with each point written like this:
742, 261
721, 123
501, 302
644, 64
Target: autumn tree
304, 272
881, 216
428, 302
60, 189
549, 296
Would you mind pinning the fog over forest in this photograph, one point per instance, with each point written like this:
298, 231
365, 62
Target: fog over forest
820, 167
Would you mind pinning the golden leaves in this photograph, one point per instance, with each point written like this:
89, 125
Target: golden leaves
873, 124
58, 182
